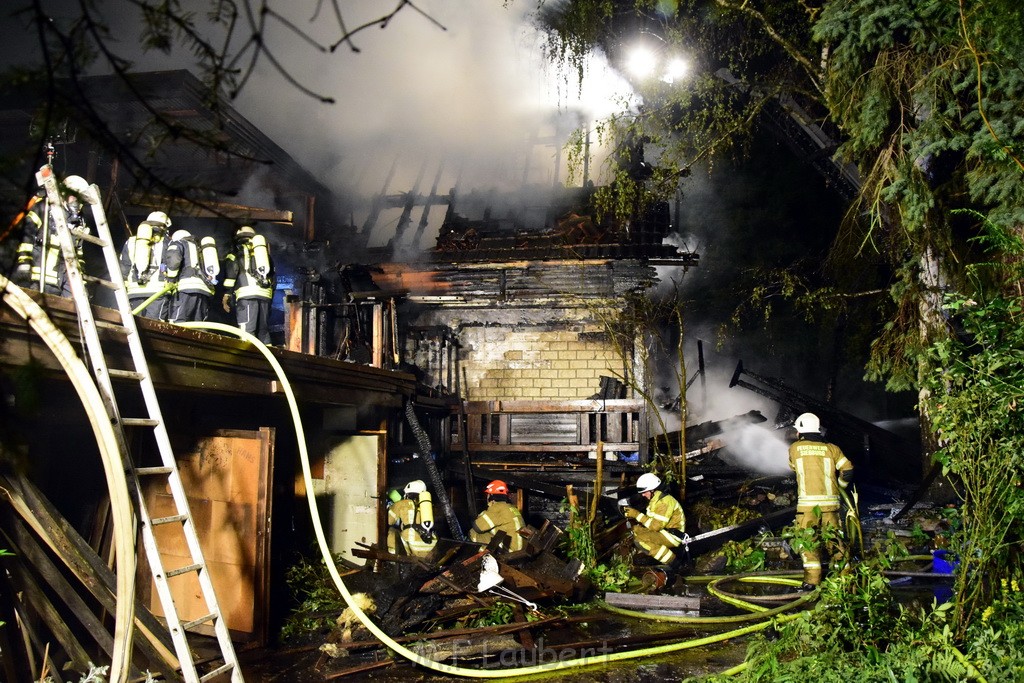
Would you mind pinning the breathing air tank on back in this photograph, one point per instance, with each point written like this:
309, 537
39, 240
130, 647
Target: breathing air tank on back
261, 258
210, 260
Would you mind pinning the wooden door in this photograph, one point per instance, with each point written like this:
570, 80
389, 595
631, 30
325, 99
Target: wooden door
227, 479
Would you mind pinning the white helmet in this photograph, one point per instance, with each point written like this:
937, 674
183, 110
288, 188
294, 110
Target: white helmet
808, 423
79, 186
415, 486
159, 218
648, 481
180, 235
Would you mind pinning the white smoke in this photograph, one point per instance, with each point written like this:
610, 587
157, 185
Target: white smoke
757, 448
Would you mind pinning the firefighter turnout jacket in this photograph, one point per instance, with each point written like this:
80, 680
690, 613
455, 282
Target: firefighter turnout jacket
499, 516
249, 270
413, 519
199, 265
821, 470
39, 254
149, 262
653, 528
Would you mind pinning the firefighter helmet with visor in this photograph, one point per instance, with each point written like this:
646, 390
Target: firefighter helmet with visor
496, 488
415, 486
647, 482
808, 423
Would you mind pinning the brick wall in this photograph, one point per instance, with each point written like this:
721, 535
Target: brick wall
537, 363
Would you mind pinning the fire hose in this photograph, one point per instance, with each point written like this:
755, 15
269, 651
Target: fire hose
397, 647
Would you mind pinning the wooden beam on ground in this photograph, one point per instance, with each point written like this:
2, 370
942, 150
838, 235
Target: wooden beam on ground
661, 603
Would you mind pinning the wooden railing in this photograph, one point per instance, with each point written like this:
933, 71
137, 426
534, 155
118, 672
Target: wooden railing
554, 427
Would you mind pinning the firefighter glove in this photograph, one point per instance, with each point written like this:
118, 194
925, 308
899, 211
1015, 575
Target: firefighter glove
632, 513
226, 303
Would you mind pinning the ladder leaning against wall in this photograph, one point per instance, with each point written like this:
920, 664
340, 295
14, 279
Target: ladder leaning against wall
226, 666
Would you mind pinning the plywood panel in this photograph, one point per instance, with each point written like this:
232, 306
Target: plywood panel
227, 479
352, 480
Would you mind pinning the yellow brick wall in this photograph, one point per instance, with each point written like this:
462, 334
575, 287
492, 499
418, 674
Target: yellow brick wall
530, 363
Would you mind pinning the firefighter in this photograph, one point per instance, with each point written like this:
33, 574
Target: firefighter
411, 521
500, 515
200, 266
657, 527
150, 263
249, 273
821, 470
40, 259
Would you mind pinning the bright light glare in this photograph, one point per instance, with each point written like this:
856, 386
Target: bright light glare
675, 69
642, 62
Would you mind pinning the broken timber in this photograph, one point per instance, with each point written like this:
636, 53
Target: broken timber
655, 603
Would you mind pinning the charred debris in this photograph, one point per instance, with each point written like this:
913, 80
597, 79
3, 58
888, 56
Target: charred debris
487, 348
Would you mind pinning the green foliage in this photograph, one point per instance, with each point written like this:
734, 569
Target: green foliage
997, 638
498, 614
579, 537
317, 600
616, 576
856, 632
743, 556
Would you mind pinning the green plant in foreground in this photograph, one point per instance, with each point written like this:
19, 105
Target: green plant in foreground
615, 576
743, 556
318, 602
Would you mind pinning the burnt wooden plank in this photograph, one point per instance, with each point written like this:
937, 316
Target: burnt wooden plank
638, 601
619, 405
506, 447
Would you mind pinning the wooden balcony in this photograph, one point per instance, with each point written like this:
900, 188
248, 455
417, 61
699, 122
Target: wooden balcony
568, 430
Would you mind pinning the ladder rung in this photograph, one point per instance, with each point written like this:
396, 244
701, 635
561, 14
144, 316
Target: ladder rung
100, 281
157, 521
125, 374
139, 422
183, 570
222, 669
87, 237
144, 471
201, 620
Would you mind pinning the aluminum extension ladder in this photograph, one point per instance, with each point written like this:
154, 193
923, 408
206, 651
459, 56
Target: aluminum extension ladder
153, 421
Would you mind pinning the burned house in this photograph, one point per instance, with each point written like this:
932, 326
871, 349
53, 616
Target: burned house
496, 345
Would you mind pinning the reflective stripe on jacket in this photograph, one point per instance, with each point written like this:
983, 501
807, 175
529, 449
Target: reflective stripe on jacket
499, 516
165, 252
192, 279
663, 514
817, 464
407, 516
238, 275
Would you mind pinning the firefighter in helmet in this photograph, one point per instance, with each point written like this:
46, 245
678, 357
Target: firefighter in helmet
411, 521
500, 515
150, 262
200, 266
656, 521
40, 259
249, 273
821, 470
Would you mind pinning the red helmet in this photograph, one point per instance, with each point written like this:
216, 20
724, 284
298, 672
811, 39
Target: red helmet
496, 488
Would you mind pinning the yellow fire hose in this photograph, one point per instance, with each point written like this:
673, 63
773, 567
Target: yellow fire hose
169, 288
400, 649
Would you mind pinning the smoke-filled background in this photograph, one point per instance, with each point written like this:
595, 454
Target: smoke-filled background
461, 94
457, 92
